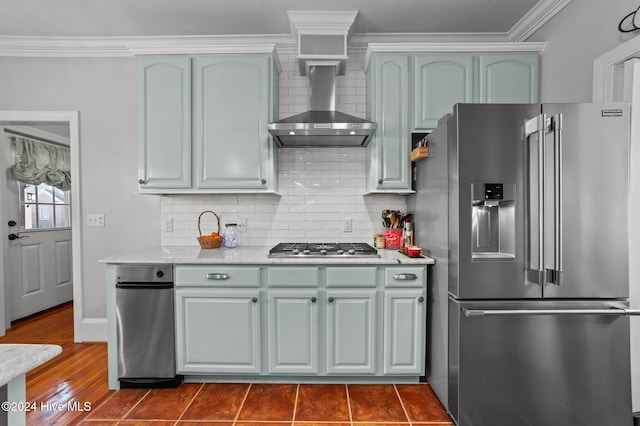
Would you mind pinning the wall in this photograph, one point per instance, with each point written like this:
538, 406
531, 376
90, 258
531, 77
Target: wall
104, 90
580, 33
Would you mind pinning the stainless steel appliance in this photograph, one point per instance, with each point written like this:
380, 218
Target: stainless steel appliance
524, 208
322, 125
323, 250
145, 322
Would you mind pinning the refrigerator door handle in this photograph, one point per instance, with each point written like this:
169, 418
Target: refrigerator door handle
514, 312
554, 275
539, 125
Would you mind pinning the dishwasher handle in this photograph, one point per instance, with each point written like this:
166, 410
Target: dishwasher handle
145, 286
514, 312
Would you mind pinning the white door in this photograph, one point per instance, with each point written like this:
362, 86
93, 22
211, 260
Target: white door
38, 261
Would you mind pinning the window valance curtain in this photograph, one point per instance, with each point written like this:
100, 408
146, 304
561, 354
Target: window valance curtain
38, 162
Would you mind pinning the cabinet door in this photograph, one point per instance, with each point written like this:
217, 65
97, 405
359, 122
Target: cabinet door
508, 78
404, 332
217, 331
293, 332
231, 110
165, 128
441, 81
388, 151
351, 327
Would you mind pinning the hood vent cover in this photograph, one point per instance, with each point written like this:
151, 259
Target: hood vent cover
322, 46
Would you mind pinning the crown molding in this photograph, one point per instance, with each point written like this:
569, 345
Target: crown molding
539, 15
133, 46
18, 46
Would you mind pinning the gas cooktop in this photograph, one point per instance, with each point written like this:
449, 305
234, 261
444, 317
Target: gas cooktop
323, 250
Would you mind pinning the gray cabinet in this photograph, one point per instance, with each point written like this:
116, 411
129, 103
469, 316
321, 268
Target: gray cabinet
508, 78
293, 331
217, 331
165, 130
232, 106
388, 97
203, 124
441, 80
409, 91
351, 331
404, 332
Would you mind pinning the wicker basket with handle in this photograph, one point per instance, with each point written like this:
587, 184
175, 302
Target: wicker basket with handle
213, 240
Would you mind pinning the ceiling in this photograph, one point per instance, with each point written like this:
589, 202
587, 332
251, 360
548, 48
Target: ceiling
134, 18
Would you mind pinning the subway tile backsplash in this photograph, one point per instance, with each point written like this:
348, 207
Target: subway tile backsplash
318, 187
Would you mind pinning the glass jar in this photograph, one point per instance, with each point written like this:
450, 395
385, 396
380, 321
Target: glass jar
230, 238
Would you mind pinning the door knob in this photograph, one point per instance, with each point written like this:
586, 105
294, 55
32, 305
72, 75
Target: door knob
12, 223
16, 236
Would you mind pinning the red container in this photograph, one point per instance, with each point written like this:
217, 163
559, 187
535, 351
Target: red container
393, 238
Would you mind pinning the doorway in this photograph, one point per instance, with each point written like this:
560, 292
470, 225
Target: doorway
38, 262
38, 251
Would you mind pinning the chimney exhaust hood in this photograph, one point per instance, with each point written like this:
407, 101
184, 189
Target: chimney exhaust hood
322, 45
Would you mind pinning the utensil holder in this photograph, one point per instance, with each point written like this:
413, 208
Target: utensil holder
393, 238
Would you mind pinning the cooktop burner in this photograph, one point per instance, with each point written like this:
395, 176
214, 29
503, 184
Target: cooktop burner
323, 250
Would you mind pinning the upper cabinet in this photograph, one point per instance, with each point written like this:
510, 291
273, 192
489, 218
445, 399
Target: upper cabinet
441, 80
389, 97
204, 124
508, 78
411, 90
165, 131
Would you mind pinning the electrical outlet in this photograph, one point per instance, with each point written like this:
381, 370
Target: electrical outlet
95, 219
346, 225
242, 225
168, 224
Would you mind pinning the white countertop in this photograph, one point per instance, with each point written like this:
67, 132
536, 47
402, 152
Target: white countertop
18, 359
252, 255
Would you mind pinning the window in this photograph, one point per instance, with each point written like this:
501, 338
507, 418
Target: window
44, 206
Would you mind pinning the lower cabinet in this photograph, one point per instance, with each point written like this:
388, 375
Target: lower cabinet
404, 332
301, 320
217, 331
293, 331
351, 332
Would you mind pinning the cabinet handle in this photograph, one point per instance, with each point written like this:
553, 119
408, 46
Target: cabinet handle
331, 299
380, 181
217, 276
254, 299
314, 300
420, 299
264, 181
405, 277
141, 181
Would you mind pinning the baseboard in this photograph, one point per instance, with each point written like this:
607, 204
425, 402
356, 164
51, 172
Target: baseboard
91, 330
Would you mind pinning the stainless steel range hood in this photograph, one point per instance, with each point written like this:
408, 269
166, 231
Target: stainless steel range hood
322, 125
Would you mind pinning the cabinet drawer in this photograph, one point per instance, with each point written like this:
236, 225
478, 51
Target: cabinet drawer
217, 276
351, 277
405, 277
292, 277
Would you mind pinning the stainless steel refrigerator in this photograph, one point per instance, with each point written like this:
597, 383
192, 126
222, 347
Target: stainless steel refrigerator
524, 208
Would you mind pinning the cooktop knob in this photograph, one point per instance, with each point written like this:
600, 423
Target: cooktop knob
323, 251
352, 251
340, 251
295, 251
306, 251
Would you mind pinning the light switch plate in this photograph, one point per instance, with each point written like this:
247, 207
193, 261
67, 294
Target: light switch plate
96, 219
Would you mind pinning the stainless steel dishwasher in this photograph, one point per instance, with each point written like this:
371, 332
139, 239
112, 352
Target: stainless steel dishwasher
145, 322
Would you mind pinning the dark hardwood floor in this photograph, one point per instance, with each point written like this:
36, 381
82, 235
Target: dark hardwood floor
72, 389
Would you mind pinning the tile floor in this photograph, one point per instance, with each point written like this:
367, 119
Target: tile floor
243, 404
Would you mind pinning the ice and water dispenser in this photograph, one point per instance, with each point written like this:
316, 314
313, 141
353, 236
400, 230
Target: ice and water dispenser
493, 220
